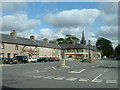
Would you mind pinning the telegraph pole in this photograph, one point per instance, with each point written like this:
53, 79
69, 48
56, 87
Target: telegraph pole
89, 50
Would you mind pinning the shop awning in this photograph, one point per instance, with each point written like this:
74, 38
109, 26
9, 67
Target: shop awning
75, 53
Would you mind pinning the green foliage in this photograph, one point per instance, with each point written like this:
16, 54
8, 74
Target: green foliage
117, 50
105, 46
67, 40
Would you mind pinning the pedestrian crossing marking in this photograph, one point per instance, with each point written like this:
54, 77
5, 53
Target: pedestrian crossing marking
48, 77
111, 81
83, 79
71, 79
77, 71
97, 80
37, 76
59, 78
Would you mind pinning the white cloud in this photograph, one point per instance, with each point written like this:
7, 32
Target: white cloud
109, 7
46, 33
72, 18
26, 33
110, 19
110, 32
12, 6
18, 22
109, 14
61, 32
50, 34
70, 22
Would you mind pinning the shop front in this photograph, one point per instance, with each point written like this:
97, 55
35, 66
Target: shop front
76, 56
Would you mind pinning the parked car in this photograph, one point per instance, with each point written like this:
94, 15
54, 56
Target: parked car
39, 60
118, 58
50, 59
4, 60
22, 59
9, 60
32, 60
45, 59
56, 59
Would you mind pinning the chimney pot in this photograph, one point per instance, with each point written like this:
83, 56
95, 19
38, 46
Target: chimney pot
13, 34
46, 40
73, 42
32, 38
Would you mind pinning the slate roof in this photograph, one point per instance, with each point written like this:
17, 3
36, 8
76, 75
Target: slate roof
76, 46
71, 46
25, 41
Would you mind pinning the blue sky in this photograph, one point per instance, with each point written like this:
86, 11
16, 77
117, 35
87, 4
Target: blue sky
56, 19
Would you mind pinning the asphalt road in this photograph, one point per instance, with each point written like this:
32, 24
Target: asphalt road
103, 74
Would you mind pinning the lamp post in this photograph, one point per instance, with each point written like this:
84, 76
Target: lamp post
89, 50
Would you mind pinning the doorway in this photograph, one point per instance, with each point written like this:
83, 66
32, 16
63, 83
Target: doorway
8, 55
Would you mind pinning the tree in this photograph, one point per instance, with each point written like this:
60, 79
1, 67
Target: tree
61, 41
117, 50
105, 47
67, 40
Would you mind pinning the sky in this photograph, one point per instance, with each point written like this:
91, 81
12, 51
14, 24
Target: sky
54, 20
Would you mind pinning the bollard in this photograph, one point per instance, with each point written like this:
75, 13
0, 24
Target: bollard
63, 62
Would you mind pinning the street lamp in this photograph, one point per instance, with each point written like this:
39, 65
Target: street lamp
89, 50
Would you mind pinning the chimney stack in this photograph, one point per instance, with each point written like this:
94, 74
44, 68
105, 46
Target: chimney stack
32, 38
46, 40
13, 34
56, 42
73, 42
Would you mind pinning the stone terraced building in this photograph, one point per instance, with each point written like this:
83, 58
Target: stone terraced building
11, 46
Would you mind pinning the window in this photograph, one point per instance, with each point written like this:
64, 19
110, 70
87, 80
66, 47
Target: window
16, 47
8, 55
15, 55
1, 55
2, 45
41, 49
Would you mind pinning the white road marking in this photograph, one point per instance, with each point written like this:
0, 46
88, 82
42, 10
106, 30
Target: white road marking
110, 66
54, 68
59, 78
76, 65
111, 81
48, 77
96, 79
83, 79
77, 72
37, 76
71, 79
93, 66
34, 71
105, 70
74, 72
43, 71
37, 71
47, 68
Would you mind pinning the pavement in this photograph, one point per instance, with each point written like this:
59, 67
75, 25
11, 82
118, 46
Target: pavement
76, 74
